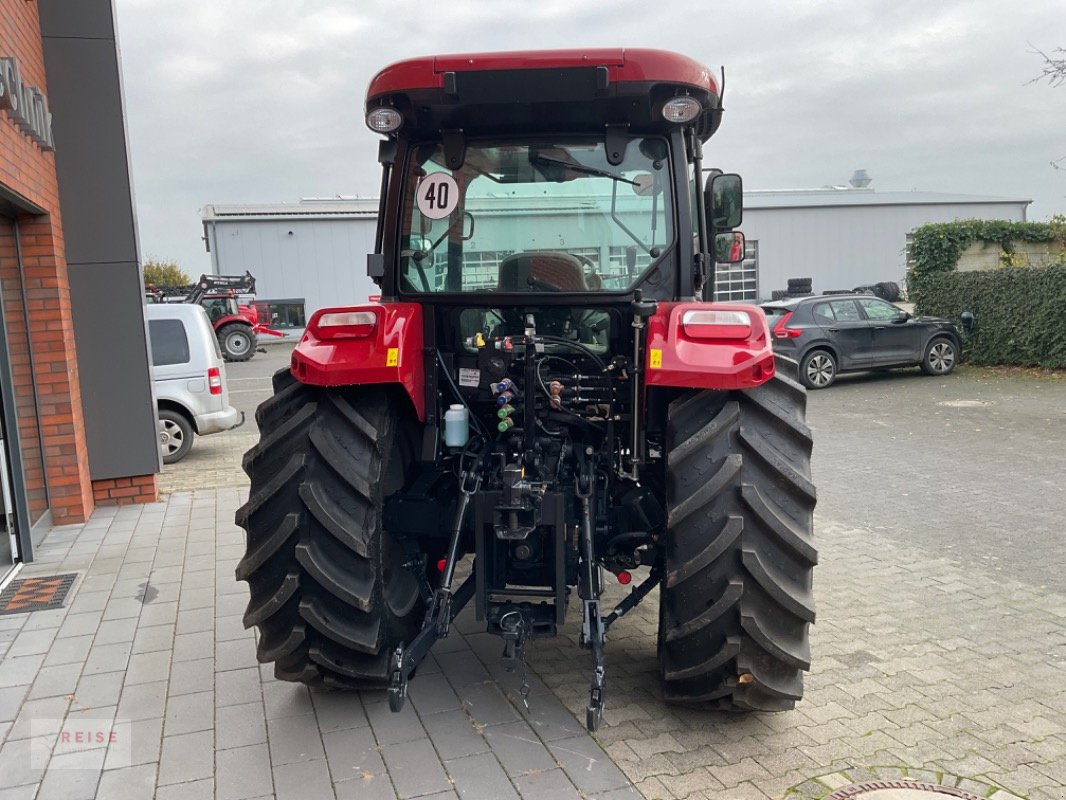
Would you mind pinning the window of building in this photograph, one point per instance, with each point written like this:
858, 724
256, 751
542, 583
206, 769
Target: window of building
739, 282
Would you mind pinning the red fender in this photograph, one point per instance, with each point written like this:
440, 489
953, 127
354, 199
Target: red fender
390, 350
712, 351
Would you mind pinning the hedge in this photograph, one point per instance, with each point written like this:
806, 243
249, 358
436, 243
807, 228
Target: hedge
1020, 312
935, 249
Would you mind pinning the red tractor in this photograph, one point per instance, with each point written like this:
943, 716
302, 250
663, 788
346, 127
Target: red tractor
546, 389
236, 324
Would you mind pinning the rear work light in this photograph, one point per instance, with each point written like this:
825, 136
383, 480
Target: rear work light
346, 324
680, 110
783, 332
716, 324
214, 380
384, 120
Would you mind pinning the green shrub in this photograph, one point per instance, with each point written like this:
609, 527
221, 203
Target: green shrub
935, 248
159, 272
1019, 312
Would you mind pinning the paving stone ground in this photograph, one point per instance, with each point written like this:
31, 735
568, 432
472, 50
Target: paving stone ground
939, 651
152, 639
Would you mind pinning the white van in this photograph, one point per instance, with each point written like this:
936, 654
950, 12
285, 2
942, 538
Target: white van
189, 376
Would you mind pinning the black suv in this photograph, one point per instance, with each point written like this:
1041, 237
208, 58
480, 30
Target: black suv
838, 333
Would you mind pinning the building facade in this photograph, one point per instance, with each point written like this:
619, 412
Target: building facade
844, 237
77, 417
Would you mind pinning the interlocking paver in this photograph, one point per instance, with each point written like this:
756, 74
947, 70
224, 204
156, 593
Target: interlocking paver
518, 749
73, 776
294, 739
238, 726
302, 780
480, 776
190, 713
243, 772
130, 783
144, 701
187, 757
454, 735
428, 778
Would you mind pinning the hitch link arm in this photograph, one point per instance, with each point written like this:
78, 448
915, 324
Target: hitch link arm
443, 608
593, 632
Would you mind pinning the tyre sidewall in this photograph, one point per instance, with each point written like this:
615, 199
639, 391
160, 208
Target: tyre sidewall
179, 419
927, 366
805, 364
230, 331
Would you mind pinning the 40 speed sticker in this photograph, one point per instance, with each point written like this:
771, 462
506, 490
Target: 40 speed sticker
437, 195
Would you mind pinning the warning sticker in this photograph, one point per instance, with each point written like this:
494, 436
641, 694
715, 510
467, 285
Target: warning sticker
437, 195
469, 377
392, 358
656, 358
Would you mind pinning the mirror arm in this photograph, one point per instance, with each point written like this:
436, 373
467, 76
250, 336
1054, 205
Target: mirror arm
703, 277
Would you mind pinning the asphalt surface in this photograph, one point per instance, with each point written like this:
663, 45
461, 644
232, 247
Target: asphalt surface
969, 467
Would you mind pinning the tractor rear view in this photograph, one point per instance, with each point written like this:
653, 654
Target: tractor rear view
545, 386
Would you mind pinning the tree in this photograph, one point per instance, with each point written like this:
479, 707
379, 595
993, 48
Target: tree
1054, 66
1055, 73
159, 272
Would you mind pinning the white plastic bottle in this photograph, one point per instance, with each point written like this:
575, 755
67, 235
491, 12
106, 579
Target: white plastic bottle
456, 426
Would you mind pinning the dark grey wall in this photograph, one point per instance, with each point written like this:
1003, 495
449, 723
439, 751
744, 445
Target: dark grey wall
96, 201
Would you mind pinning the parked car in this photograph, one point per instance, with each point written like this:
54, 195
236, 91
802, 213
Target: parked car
828, 335
189, 376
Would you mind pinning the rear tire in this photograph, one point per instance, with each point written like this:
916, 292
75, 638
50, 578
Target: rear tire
175, 435
329, 592
736, 600
237, 342
818, 369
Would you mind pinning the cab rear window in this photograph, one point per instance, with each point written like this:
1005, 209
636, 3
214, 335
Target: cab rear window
170, 345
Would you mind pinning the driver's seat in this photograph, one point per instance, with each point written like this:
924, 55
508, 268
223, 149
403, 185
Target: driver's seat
548, 269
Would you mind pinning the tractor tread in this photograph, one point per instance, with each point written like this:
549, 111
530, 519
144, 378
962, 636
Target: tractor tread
736, 600
320, 569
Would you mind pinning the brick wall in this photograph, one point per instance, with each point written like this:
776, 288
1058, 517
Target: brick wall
28, 171
123, 491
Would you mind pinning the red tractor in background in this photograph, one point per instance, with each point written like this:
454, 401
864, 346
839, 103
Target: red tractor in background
236, 324
544, 385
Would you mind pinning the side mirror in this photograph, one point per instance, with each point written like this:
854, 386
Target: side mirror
968, 321
903, 317
729, 247
724, 199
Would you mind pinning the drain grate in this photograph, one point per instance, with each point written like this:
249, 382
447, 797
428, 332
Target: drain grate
899, 790
24, 595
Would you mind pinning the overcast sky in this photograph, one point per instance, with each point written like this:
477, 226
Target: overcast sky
251, 101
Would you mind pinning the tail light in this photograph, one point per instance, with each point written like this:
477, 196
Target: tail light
214, 380
344, 324
781, 331
717, 324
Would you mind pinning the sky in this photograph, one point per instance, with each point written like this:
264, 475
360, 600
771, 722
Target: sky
261, 101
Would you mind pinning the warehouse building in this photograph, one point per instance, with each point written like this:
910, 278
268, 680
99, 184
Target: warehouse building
77, 414
311, 254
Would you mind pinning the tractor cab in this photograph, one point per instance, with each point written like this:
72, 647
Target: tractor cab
556, 173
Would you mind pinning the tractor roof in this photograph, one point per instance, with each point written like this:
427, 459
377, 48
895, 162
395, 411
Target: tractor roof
542, 90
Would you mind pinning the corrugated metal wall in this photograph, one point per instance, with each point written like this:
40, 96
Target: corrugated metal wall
842, 247
320, 260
